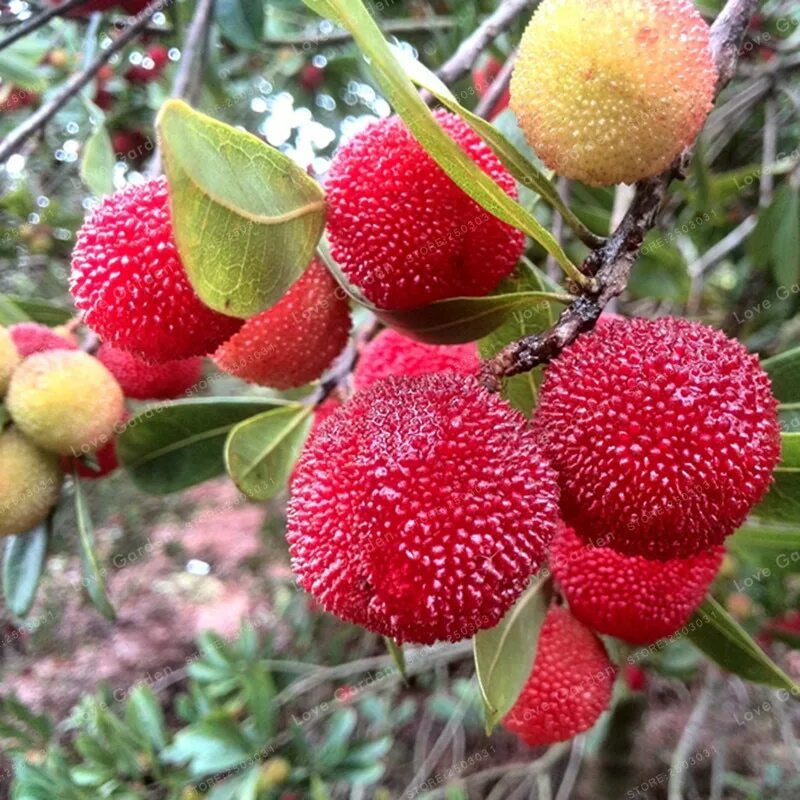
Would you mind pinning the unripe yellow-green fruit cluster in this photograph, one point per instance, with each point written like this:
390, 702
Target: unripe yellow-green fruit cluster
9, 359
30, 482
611, 91
65, 401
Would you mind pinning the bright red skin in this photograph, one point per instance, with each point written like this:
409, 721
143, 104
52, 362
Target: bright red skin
296, 340
482, 79
106, 458
128, 280
17, 100
633, 598
141, 380
421, 508
569, 686
31, 337
402, 231
391, 353
664, 434
130, 144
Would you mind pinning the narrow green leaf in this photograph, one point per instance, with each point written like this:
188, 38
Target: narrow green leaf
527, 173
213, 745
406, 101
176, 445
782, 503
33, 308
786, 245
522, 391
23, 564
261, 452
247, 218
505, 654
93, 574
725, 642
10, 312
241, 22
784, 372
398, 656
97, 165
753, 537
145, 716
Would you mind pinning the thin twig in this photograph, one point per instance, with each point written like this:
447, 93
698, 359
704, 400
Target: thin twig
37, 21
193, 53
468, 51
497, 88
70, 89
573, 768
611, 264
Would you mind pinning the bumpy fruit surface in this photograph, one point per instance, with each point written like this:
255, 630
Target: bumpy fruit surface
9, 359
30, 482
664, 434
569, 686
65, 401
296, 340
630, 597
141, 380
391, 353
128, 280
421, 508
31, 337
402, 231
611, 92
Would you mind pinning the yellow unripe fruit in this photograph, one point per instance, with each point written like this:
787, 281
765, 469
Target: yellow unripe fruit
30, 483
9, 359
611, 91
65, 401
274, 772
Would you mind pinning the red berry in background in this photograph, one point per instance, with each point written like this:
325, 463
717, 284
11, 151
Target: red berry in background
311, 77
391, 353
631, 597
402, 231
12, 98
635, 677
421, 508
31, 337
569, 686
296, 340
128, 280
130, 144
105, 462
141, 380
664, 434
155, 60
483, 77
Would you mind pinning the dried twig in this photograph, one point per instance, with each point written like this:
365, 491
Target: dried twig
70, 89
468, 51
610, 265
34, 23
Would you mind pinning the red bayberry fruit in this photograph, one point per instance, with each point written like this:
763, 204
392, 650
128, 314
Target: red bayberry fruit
421, 508
152, 66
104, 463
141, 380
130, 144
569, 686
630, 597
482, 79
635, 677
664, 434
12, 98
403, 232
391, 353
296, 340
311, 77
128, 280
31, 337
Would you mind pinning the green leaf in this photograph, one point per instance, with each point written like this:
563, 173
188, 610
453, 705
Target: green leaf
523, 170
261, 452
776, 238
144, 715
97, 166
247, 218
10, 312
40, 310
18, 66
402, 95
784, 372
241, 22
753, 537
522, 391
462, 319
505, 654
23, 564
173, 446
210, 746
725, 642
782, 503
398, 656
93, 575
